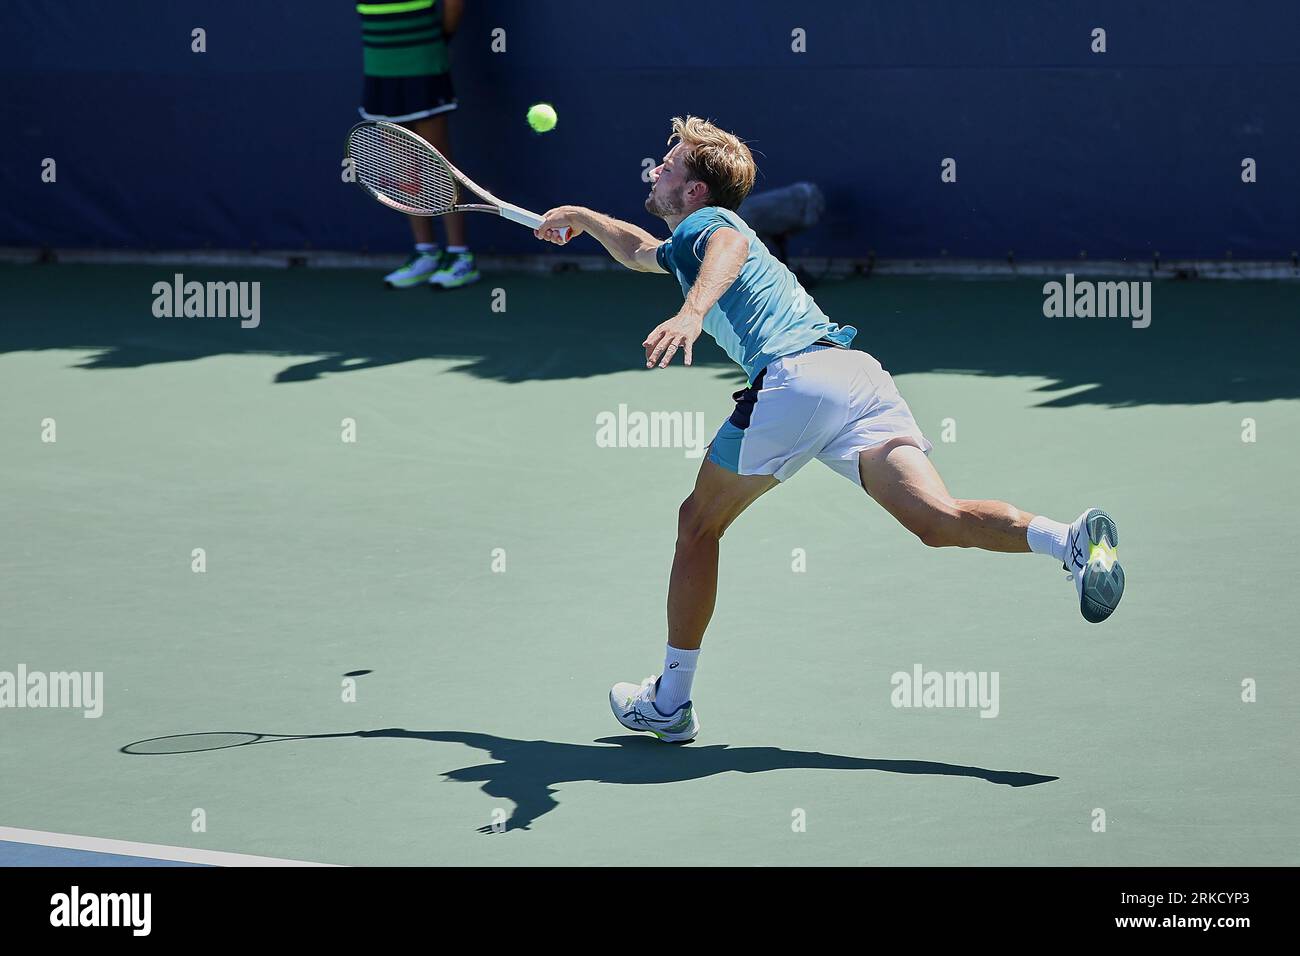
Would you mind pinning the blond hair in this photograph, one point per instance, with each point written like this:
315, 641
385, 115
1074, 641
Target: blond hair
716, 158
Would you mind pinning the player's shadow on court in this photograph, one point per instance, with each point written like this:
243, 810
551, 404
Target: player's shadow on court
529, 773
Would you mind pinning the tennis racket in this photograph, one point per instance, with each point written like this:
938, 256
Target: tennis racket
401, 170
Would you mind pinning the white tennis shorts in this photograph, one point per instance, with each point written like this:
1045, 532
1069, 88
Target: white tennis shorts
824, 403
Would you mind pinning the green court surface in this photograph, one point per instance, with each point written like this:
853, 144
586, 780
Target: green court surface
488, 670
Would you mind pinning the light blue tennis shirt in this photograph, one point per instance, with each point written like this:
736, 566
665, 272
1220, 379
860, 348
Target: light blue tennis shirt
766, 313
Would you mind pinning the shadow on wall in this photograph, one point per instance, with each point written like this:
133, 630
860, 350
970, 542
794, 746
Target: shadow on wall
1207, 341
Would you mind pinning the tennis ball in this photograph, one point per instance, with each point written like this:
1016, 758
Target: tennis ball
542, 118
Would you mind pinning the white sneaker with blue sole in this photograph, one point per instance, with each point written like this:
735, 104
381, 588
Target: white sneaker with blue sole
634, 706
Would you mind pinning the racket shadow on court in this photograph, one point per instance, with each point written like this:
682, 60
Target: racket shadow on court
529, 773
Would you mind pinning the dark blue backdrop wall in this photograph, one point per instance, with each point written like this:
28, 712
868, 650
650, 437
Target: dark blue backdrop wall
1058, 149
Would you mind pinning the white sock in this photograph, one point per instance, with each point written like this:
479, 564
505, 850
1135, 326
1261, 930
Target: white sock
457, 250
1048, 537
424, 248
675, 684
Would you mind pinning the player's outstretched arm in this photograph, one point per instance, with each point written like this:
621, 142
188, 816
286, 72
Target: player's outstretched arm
629, 245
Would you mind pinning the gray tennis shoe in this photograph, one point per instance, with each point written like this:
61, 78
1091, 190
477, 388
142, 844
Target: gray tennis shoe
1092, 558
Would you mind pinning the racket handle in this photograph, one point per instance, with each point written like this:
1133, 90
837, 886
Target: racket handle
529, 219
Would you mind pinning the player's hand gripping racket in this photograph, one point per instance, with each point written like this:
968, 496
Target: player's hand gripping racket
402, 171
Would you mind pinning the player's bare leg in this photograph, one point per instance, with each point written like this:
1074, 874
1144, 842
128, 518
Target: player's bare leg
718, 499
661, 705
899, 476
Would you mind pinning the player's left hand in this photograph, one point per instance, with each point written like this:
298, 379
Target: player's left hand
678, 334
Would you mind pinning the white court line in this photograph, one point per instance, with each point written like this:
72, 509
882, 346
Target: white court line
153, 851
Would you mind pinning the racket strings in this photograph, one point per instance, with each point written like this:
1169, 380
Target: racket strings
399, 167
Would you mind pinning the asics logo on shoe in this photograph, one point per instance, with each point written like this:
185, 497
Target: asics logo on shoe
640, 718
1076, 553
672, 665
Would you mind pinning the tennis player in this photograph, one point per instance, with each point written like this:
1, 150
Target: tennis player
809, 396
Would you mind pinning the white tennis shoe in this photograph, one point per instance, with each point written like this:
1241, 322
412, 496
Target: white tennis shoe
634, 706
1092, 558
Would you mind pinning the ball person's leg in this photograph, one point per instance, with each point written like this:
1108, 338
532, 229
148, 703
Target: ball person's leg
437, 130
